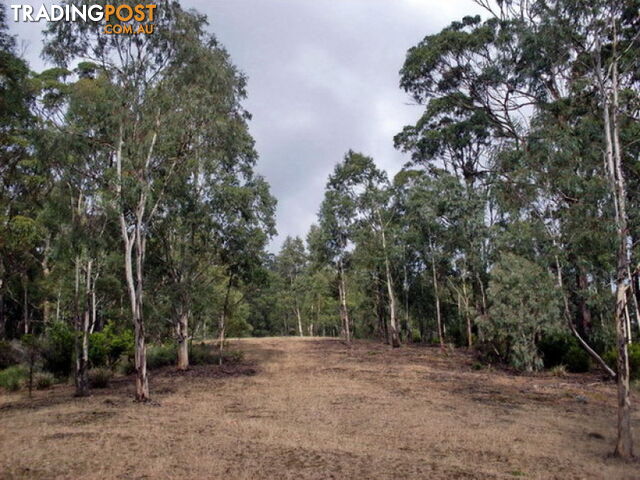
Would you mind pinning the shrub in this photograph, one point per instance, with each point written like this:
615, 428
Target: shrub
99, 377
416, 337
577, 360
559, 371
161, 355
611, 357
554, 347
524, 306
43, 380
57, 350
9, 354
106, 348
12, 378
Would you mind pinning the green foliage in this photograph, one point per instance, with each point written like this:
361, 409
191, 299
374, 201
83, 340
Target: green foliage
416, 337
524, 306
554, 346
611, 357
13, 377
560, 348
577, 360
99, 377
43, 380
109, 346
58, 349
162, 355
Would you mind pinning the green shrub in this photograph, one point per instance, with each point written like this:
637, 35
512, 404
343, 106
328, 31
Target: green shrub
161, 355
611, 358
43, 380
108, 347
553, 347
99, 377
9, 354
524, 306
576, 360
12, 378
58, 349
416, 337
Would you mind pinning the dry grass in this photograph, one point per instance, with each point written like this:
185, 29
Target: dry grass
312, 408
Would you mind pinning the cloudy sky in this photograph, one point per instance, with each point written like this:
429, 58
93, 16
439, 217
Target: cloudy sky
323, 78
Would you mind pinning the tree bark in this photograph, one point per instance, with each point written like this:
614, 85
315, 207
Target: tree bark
82, 330
183, 340
134, 241
393, 324
223, 316
585, 312
344, 313
624, 444
299, 317
437, 295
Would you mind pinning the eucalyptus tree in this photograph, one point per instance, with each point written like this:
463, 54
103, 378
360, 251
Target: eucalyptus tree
292, 264
336, 220
22, 183
221, 212
375, 215
537, 84
157, 83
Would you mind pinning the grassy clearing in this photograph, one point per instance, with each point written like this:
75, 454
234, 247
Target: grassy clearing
312, 408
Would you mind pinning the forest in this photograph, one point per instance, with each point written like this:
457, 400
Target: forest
135, 230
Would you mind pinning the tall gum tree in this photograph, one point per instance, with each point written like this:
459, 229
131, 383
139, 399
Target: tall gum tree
151, 132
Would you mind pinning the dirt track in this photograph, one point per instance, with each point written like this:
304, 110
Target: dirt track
312, 408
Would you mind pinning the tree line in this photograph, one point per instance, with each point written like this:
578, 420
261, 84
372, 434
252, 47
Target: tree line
513, 228
129, 198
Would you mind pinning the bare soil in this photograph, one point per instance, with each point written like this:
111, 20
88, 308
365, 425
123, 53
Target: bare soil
317, 409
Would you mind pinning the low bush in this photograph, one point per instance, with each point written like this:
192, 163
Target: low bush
416, 337
577, 360
43, 380
58, 349
558, 371
109, 346
99, 377
611, 358
562, 348
12, 378
161, 355
553, 348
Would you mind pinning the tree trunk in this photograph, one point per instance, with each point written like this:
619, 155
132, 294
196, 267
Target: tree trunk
82, 332
183, 340
299, 317
585, 312
223, 315
393, 324
624, 445
344, 313
467, 317
25, 304
437, 295
135, 241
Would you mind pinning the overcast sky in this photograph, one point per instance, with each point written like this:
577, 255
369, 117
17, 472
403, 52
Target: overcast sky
323, 78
